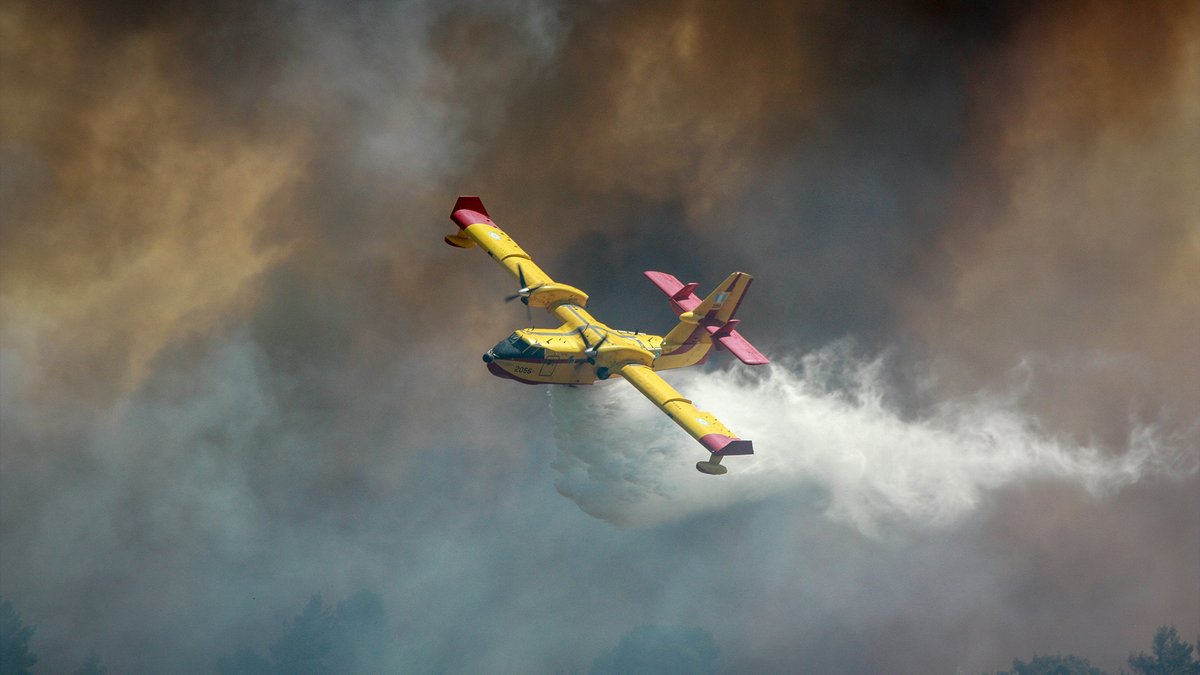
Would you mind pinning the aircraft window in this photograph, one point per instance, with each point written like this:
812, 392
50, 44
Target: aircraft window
521, 344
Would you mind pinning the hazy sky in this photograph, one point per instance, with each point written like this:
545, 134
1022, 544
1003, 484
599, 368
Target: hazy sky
240, 367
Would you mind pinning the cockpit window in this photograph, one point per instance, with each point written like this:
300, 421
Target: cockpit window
516, 346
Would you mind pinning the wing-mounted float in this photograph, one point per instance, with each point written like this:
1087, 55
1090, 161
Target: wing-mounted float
583, 350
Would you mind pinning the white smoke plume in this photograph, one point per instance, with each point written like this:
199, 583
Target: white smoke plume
825, 430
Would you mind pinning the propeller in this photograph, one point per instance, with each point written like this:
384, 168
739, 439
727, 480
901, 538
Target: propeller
523, 293
590, 349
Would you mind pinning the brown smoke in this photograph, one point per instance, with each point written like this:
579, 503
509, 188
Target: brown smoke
1076, 254
221, 269
674, 101
130, 217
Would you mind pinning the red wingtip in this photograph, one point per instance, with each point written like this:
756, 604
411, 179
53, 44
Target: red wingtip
471, 203
469, 210
720, 444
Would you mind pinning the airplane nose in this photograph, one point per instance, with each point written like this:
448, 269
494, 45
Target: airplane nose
487, 357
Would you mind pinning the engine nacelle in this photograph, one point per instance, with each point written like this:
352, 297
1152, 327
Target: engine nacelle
549, 295
612, 356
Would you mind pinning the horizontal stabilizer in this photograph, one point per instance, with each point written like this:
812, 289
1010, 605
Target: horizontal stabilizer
728, 328
683, 297
666, 282
736, 344
685, 292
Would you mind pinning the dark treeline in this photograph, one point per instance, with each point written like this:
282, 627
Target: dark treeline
355, 636
1169, 656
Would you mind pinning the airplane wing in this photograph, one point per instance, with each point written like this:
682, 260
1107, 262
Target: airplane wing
476, 228
702, 426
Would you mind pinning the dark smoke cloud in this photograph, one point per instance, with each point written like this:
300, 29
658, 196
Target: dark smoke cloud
238, 367
1075, 253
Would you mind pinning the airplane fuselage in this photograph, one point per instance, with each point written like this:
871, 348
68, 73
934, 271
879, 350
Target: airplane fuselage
583, 350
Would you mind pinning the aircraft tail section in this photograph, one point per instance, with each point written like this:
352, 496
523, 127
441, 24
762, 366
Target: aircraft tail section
708, 321
723, 302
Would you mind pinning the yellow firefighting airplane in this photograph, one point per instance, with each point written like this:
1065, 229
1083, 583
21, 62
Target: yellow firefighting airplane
583, 350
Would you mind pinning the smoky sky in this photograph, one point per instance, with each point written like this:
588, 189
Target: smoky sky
239, 367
